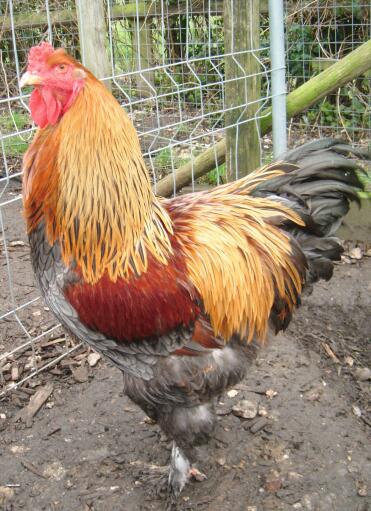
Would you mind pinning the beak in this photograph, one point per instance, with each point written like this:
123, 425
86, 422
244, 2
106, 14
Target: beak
30, 79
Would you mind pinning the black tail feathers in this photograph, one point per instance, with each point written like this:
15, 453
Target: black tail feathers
319, 185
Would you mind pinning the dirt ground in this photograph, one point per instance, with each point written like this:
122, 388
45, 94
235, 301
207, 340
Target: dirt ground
307, 449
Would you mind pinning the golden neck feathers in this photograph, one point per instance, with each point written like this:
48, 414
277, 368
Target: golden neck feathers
87, 180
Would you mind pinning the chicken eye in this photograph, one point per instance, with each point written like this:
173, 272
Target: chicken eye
61, 68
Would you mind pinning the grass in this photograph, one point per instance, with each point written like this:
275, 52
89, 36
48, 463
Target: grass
211, 177
366, 180
163, 160
14, 146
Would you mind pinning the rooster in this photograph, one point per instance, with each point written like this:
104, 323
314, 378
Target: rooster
177, 293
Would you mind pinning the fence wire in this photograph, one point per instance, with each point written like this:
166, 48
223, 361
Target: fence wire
166, 66
319, 33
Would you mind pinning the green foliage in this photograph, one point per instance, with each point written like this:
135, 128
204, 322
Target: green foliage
16, 120
123, 46
311, 34
166, 158
216, 176
311, 48
14, 145
351, 111
163, 159
301, 50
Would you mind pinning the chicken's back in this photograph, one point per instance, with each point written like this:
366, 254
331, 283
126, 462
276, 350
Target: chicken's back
239, 259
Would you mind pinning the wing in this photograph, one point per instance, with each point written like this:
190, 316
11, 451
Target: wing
156, 312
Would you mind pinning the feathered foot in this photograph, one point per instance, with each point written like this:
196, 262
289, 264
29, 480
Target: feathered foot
181, 471
169, 480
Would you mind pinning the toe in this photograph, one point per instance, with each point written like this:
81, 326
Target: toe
196, 474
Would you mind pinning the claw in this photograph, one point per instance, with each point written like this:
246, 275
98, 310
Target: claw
197, 475
173, 480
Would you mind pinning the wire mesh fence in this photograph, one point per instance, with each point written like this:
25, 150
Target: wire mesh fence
166, 64
317, 35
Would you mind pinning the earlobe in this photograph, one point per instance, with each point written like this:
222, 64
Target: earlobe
79, 74
77, 86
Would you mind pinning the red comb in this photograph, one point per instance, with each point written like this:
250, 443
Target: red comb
38, 55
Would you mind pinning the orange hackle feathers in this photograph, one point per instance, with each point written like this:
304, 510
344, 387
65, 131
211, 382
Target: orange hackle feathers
93, 191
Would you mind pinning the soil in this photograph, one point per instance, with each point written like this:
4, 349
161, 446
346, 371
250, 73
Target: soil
89, 447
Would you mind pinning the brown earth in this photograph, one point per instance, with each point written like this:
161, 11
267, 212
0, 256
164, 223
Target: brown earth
88, 447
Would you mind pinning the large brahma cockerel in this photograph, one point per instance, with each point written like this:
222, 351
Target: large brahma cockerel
176, 293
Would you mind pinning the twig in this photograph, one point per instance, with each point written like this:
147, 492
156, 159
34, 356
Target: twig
53, 342
31, 467
36, 402
330, 353
365, 420
53, 431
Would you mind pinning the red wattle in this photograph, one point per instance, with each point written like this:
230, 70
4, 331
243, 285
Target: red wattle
53, 106
38, 109
45, 108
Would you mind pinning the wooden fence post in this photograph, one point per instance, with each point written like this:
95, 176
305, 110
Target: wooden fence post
143, 55
92, 32
241, 32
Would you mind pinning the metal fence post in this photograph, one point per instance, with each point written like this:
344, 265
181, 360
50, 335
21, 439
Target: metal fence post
277, 45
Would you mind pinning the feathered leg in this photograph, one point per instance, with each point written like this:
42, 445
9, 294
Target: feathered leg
186, 414
187, 428
181, 471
